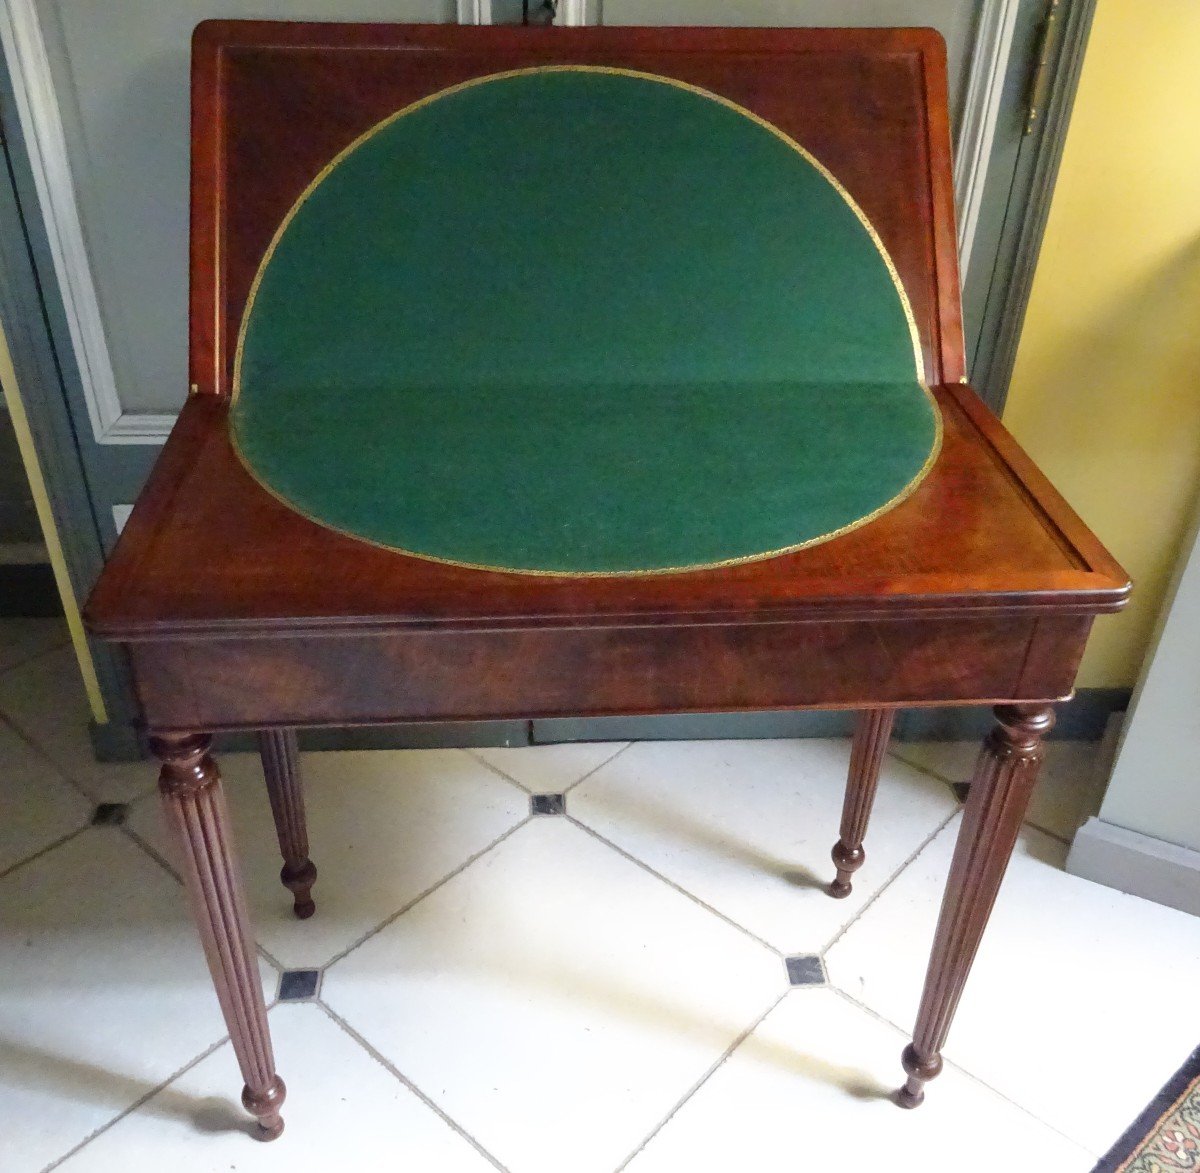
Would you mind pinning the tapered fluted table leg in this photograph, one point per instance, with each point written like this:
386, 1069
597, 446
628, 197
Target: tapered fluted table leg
281, 768
198, 818
1004, 778
871, 733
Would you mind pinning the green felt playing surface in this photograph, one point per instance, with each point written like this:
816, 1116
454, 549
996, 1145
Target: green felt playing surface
580, 321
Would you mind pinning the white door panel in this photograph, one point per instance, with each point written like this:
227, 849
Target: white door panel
120, 74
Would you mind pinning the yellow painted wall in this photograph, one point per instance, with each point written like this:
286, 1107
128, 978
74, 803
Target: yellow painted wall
1106, 391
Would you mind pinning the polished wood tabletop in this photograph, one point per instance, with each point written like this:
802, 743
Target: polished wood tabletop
241, 612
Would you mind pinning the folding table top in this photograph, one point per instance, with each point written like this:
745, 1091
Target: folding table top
505, 324
586, 320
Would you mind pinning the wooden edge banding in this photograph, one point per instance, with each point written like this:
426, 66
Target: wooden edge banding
207, 132
1073, 534
152, 510
947, 324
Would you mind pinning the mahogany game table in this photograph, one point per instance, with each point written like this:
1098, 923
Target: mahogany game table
562, 372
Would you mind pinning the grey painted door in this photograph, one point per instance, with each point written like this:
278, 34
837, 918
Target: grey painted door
119, 129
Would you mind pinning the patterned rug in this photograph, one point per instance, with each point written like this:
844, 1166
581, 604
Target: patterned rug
1165, 1138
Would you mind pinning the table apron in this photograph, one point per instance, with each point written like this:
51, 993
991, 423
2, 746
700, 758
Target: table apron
437, 676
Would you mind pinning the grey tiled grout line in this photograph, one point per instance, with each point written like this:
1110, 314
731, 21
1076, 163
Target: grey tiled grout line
137, 841
896, 755
35, 656
49, 847
383, 924
278, 966
937, 777
1049, 834
162, 862
138, 1103
8, 723
737, 1042
408, 1083
52, 764
889, 881
867, 1010
131, 835
142, 1100
566, 789
672, 884
134, 838
11, 725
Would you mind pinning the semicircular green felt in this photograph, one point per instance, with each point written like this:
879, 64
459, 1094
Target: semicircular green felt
580, 321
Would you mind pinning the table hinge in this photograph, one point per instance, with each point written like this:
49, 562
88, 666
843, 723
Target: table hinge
1043, 72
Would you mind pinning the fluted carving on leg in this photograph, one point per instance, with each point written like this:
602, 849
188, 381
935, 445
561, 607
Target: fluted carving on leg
197, 816
281, 768
1004, 778
872, 731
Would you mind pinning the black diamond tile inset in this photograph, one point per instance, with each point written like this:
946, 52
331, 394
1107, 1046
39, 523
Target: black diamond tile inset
297, 984
805, 969
110, 814
549, 804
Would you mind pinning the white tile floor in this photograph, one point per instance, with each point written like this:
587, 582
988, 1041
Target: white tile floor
601, 991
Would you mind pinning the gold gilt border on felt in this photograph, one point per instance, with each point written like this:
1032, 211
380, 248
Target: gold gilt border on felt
429, 99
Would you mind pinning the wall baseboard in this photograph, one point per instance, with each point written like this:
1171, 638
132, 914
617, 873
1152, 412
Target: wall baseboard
117, 742
1137, 864
1084, 719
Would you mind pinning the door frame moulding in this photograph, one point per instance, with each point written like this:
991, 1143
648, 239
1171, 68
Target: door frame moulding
570, 12
46, 146
575, 13
474, 11
1008, 300
41, 122
981, 108
43, 377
